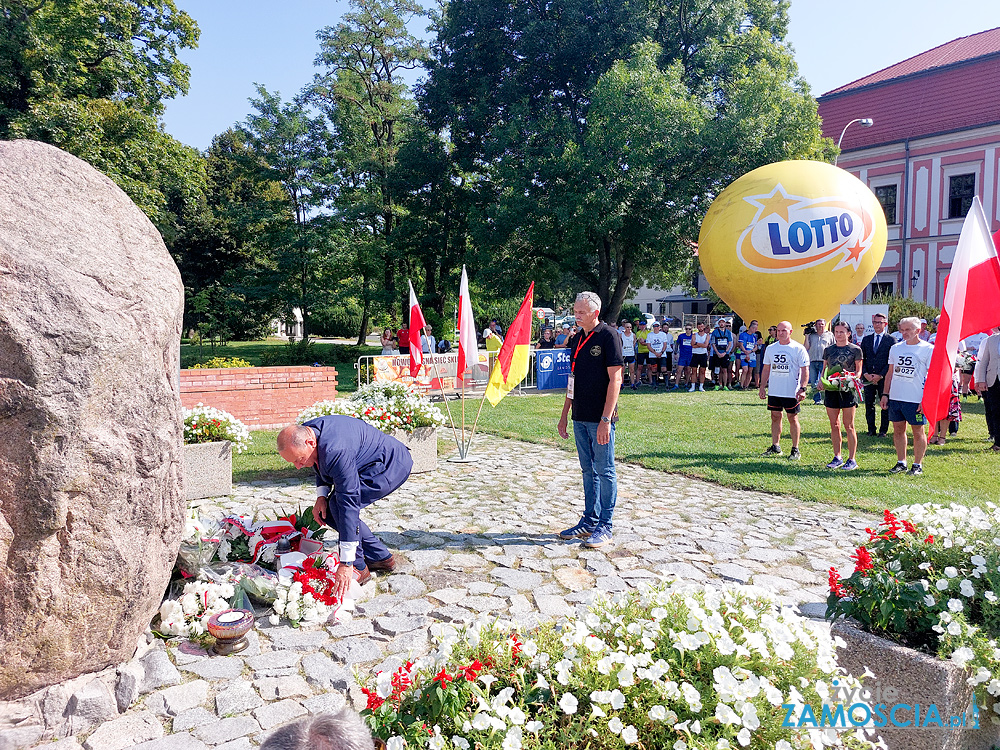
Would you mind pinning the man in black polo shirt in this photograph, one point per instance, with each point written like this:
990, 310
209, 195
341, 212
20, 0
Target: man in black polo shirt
595, 380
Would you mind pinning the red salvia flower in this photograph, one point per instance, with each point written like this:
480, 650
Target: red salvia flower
909, 527
443, 677
862, 559
472, 671
929, 539
835, 587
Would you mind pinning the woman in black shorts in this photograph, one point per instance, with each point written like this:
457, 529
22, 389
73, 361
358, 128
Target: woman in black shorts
842, 356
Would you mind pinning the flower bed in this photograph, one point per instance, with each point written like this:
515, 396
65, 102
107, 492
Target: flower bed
689, 667
386, 406
929, 578
206, 424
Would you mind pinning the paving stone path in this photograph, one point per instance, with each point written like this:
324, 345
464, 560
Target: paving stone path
475, 540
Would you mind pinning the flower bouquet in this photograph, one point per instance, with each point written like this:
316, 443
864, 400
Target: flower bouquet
199, 545
689, 667
966, 361
842, 379
929, 578
386, 406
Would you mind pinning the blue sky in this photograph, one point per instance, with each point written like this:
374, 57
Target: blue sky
274, 43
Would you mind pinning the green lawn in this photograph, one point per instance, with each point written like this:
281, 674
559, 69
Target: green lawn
720, 436
343, 357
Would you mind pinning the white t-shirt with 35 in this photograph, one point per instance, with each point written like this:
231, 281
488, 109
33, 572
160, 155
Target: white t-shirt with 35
657, 341
786, 361
909, 365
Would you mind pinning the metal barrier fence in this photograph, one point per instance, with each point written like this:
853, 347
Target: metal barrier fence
396, 368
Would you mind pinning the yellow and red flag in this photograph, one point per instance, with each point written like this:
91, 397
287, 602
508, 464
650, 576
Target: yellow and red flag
512, 360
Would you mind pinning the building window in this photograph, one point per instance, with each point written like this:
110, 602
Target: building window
649, 307
961, 188
886, 195
880, 288
663, 308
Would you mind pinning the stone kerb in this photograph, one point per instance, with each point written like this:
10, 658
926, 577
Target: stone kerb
208, 469
263, 398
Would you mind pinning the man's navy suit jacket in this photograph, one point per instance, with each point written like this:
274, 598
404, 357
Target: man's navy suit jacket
356, 465
876, 362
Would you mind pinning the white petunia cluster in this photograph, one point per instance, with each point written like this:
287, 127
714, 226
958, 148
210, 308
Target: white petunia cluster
199, 427
386, 406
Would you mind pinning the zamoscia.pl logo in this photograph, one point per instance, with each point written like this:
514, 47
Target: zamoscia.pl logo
876, 708
792, 232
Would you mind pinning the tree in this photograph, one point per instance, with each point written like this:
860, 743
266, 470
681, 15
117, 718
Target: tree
90, 76
293, 149
600, 132
363, 94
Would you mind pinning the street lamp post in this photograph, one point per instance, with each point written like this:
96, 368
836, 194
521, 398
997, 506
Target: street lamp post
866, 122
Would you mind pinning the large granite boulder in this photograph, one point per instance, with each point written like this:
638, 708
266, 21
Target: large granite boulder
91, 508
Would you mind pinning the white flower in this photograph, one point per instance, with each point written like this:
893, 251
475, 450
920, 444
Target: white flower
617, 700
460, 742
955, 605
512, 740
615, 725
966, 588
568, 703
726, 714
929, 600
950, 571
743, 737
534, 726
480, 722
942, 584
516, 716
630, 735
395, 743
963, 656
954, 628
657, 713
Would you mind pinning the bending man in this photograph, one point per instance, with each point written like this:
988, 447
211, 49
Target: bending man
360, 465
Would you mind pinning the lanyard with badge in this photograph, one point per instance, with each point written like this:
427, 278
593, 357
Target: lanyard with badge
572, 366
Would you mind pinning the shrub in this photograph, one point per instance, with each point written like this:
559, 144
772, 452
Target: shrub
387, 406
206, 424
929, 578
221, 363
904, 307
689, 667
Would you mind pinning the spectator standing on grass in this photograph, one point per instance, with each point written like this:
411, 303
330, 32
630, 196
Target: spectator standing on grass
722, 345
699, 357
403, 337
747, 352
909, 361
641, 350
842, 357
388, 342
816, 344
783, 383
656, 342
988, 384
875, 350
683, 349
628, 353
667, 359
592, 395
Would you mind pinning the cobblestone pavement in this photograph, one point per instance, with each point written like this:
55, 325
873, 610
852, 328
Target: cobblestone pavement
471, 540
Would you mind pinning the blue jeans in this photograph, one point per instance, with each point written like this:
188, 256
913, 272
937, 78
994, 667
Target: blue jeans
815, 370
600, 481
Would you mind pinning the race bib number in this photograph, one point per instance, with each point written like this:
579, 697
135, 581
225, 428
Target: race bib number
569, 387
905, 367
780, 365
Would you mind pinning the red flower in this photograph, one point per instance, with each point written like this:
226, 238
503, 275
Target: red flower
862, 559
374, 702
909, 527
835, 587
444, 678
471, 671
929, 539
892, 522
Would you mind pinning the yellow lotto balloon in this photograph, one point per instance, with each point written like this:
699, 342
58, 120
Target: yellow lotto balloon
792, 241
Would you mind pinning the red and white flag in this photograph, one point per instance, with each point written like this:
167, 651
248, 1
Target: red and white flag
468, 348
417, 324
971, 305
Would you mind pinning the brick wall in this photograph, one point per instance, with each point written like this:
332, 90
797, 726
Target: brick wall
261, 397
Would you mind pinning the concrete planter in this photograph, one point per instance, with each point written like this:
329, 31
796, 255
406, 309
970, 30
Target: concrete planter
917, 678
423, 446
208, 469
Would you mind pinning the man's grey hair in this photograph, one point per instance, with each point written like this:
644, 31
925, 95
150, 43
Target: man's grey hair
915, 322
344, 730
591, 298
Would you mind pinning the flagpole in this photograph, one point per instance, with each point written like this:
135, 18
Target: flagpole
473, 433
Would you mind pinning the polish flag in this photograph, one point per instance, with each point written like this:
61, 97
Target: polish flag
417, 324
468, 348
971, 305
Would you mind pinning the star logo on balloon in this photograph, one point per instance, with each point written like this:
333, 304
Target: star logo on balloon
791, 232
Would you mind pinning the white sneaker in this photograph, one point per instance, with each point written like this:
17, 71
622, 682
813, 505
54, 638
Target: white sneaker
691, 389
701, 387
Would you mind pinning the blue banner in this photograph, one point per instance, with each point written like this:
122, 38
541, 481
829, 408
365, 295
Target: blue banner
551, 368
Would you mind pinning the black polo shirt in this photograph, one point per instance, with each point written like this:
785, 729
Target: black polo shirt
592, 354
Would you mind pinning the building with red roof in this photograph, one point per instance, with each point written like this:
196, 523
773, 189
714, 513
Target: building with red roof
934, 144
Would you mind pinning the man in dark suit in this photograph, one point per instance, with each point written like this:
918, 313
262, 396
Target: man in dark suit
360, 465
875, 348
